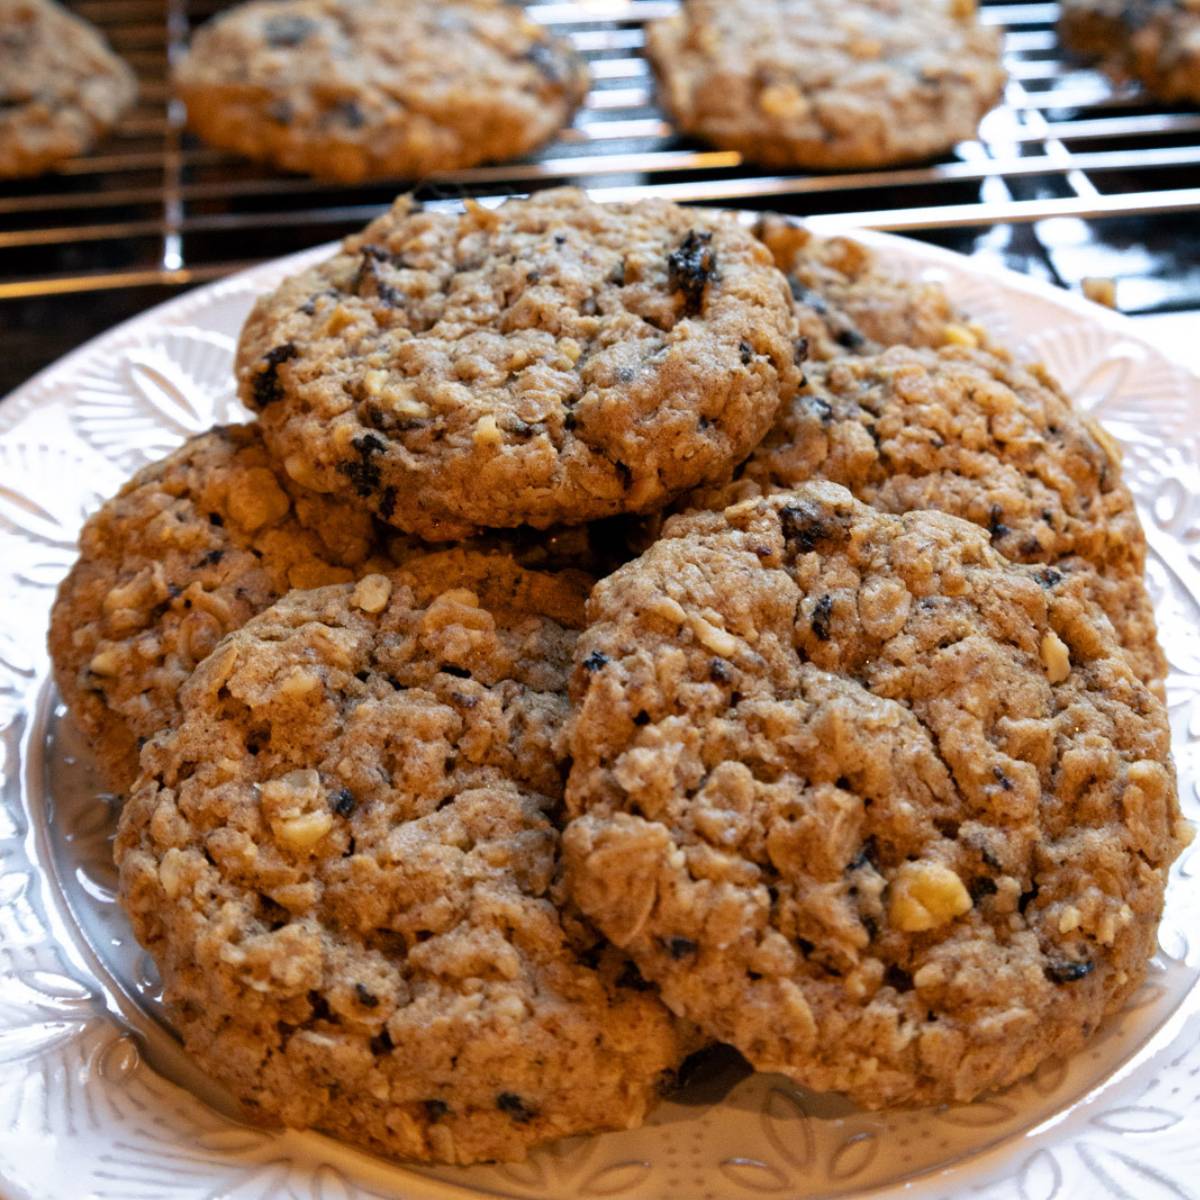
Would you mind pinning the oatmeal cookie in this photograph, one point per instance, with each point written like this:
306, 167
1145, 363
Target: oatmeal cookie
969, 433
552, 360
849, 302
355, 89
1156, 42
61, 86
887, 812
345, 864
189, 549
827, 84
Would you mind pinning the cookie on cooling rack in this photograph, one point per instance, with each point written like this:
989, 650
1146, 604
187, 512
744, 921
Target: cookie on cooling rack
552, 360
887, 812
344, 862
61, 86
356, 89
969, 433
849, 302
1157, 42
827, 84
189, 549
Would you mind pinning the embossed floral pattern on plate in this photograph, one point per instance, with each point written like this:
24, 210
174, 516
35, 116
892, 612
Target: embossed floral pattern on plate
96, 1097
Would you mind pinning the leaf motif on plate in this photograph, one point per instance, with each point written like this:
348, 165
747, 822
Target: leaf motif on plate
788, 1127
40, 1011
1114, 378
979, 1115
52, 991
529, 1174
153, 396
17, 673
263, 1182
853, 1156
569, 1154
12, 823
616, 1179
1096, 388
1137, 1119
1121, 1174
21, 1043
233, 1139
753, 1174
12, 887
330, 1184
46, 493
17, 661
1040, 1178
1049, 1076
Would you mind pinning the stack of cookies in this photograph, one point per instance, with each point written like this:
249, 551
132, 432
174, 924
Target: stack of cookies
562, 674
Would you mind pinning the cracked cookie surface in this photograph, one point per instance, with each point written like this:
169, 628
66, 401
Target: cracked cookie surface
188, 550
827, 83
552, 360
848, 301
355, 89
969, 433
345, 863
61, 86
890, 814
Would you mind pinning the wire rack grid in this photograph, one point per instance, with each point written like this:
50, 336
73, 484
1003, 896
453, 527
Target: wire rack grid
153, 206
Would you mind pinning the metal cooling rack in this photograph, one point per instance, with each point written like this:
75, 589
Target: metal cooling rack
1066, 155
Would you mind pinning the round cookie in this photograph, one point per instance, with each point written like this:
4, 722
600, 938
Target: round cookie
357, 89
552, 360
188, 550
61, 86
827, 84
848, 302
969, 433
345, 862
1156, 42
890, 814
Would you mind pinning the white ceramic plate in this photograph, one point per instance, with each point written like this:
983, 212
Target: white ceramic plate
96, 1098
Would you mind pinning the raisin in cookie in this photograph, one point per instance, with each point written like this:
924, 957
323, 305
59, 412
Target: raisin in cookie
344, 861
189, 549
827, 83
970, 433
849, 302
887, 812
552, 360
61, 86
352, 89
1157, 42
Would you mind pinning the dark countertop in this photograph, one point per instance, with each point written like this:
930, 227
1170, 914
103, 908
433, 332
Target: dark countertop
35, 333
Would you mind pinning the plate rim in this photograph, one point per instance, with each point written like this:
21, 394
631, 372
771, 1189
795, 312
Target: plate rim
257, 279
